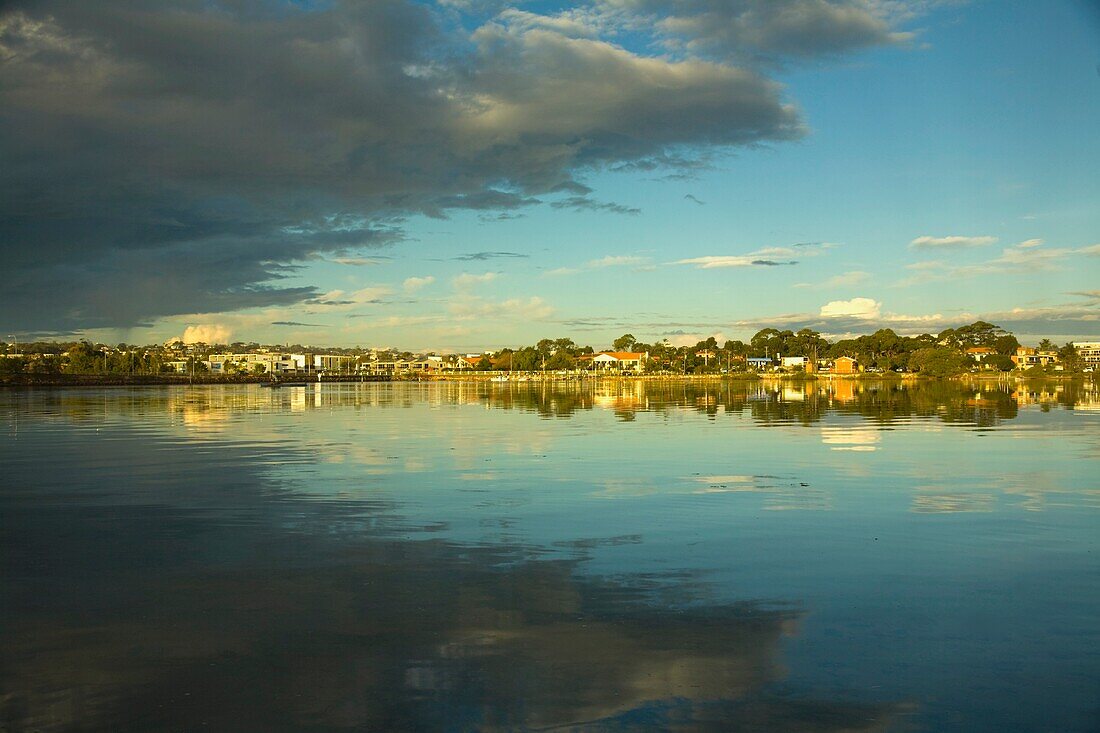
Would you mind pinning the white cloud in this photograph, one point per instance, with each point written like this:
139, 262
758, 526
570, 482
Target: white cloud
847, 279
690, 339
863, 308
570, 24
533, 308
340, 300
761, 258
559, 271
467, 280
206, 333
412, 284
710, 262
618, 261
1025, 257
955, 241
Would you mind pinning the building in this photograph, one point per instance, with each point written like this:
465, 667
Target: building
333, 363
845, 365
1026, 357
760, 362
1088, 352
979, 353
796, 362
622, 361
265, 363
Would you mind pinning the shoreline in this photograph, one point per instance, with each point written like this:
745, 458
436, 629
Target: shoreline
60, 381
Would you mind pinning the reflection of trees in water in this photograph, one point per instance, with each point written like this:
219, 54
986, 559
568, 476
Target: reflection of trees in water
250, 608
777, 403
766, 402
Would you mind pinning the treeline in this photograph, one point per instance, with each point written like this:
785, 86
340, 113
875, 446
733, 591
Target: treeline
83, 357
942, 354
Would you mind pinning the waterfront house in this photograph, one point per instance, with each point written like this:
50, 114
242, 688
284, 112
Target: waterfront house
760, 363
845, 365
622, 361
1088, 352
1026, 357
796, 362
333, 363
978, 353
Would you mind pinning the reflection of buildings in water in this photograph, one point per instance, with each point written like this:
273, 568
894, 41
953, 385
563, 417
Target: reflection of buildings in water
1043, 395
842, 390
794, 394
858, 439
620, 395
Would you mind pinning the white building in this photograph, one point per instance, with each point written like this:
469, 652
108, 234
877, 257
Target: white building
624, 361
1088, 351
794, 362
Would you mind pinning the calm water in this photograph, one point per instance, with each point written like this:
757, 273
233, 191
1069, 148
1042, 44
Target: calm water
511, 557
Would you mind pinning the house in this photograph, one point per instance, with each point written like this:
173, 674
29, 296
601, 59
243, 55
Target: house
619, 360
1088, 352
845, 365
333, 363
796, 362
706, 355
760, 362
1026, 357
978, 353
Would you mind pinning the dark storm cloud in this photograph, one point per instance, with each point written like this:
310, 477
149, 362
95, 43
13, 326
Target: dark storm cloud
166, 158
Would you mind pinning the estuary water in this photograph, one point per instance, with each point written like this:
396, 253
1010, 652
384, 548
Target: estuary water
751, 556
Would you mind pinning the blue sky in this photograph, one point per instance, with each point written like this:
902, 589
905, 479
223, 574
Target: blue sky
941, 168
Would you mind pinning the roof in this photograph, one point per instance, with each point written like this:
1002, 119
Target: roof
845, 358
623, 355
979, 350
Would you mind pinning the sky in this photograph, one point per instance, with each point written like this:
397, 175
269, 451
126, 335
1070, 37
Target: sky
471, 174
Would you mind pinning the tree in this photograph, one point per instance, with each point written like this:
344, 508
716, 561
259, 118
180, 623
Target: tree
1006, 345
258, 368
938, 361
1000, 361
767, 342
526, 359
84, 358
1047, 345
624, 343
11, 365
1069, 357
561, 360
45, 364
484, 364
